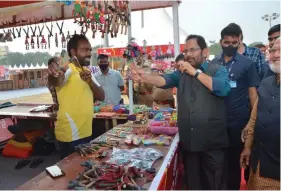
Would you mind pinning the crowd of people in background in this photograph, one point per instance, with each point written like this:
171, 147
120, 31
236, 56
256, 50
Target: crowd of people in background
228, 108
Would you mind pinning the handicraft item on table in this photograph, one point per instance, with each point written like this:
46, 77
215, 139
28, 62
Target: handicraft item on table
98, 150
106, 176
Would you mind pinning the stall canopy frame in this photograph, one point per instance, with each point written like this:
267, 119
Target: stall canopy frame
13, 13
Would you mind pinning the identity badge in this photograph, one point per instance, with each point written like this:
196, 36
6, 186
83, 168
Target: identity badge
233, 84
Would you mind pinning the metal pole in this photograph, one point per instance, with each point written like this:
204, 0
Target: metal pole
131, 102
176, 27
142, 19
176, 34
106, 40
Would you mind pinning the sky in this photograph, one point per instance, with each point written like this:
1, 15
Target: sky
203, 17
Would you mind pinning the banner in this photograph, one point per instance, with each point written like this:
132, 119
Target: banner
2, 71
154, 51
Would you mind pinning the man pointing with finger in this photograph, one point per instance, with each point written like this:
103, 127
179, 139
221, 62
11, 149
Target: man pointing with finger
201, 114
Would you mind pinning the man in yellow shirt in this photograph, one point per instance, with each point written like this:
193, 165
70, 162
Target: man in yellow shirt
75, 87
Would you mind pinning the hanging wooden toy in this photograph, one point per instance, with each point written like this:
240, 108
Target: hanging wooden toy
26, 43
56, 40
60, 27
106, 16
43, 42
32, 42
50, 30
33, 30
96, 12
84, 29
37, 42
12, 31
68, 36
41, 30
94, 29
90, 15
49, 41
79, 11
63, 41
26, 38
19, 32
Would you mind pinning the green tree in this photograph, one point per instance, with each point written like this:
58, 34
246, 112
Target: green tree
255, 43
215, 49
17, 58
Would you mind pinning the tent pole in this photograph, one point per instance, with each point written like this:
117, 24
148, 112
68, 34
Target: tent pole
176, 27
176, 34
105, 41
131, 103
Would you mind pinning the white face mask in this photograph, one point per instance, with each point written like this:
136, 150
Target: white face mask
275, 68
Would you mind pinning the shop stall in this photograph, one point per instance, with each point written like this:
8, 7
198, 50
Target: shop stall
107, 18
158, 133
114, 148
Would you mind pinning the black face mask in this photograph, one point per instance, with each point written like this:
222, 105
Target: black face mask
103, 67
229, 50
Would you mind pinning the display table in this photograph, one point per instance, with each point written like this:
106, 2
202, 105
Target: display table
166, 177
21, 112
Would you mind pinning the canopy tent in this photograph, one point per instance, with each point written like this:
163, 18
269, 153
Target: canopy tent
17, 13
31, 67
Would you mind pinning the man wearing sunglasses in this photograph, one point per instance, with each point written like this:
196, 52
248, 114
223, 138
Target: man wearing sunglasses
201, 113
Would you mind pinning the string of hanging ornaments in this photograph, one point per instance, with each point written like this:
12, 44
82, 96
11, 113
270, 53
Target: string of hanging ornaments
101, 16
95, 16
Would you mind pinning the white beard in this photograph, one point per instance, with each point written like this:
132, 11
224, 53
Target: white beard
275, 67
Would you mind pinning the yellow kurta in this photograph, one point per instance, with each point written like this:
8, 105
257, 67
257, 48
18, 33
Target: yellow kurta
75, 114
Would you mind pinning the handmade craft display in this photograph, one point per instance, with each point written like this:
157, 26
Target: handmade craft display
120, 132
163, 127
102, 17
94, 150
137, 157
106, 176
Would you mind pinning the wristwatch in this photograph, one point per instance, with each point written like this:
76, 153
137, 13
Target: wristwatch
197, 73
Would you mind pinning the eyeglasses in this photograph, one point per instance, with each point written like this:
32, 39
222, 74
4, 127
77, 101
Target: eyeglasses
272, 38
273, 50
192, 50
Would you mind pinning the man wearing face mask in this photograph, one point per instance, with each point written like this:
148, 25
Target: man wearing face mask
75, 90
254, 54
243, 81
263, 138
111, 81
201, 88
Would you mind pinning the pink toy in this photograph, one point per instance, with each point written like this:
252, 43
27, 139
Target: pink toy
162, 127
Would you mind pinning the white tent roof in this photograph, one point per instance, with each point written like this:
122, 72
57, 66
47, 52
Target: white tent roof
37, 65
21, 67
43, 66
26, 67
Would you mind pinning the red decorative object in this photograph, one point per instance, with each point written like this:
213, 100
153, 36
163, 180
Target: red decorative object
43, 42
32, 43
26, 43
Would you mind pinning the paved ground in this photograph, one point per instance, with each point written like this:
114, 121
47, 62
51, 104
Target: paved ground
12, 94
